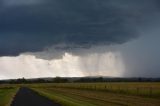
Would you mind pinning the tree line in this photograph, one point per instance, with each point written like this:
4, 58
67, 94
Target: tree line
77, 80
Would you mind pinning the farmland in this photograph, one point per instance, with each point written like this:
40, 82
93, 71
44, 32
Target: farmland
98, 94
101, 94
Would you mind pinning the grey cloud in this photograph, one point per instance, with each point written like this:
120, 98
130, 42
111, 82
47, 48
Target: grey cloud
20, 2
76, 23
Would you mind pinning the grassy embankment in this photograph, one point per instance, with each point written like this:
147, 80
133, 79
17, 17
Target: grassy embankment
102, 94
6, 94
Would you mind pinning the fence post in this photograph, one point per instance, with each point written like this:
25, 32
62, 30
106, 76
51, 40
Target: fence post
150, 91
111, 88
137, 90
127, 91
119, 89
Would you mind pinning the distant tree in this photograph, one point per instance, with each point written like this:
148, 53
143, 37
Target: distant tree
40, 80
60, 80
21, 80
139, 79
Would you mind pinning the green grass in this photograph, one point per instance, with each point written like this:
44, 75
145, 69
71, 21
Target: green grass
91, 94
151, 90
81, 97
6, 95
68, 99
101, 94
65, 100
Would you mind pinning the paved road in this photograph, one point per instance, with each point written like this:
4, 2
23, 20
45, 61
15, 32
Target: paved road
27, 97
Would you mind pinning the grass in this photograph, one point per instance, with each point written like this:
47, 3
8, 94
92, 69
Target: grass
6, 95
78, 97
91, 94
101, 94
151, 90
65, 100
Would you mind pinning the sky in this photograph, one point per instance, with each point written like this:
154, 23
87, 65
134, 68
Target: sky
76, 38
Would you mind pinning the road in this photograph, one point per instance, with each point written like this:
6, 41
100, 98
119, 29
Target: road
27, 97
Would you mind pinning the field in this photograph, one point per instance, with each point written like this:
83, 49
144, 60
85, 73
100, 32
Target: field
6, 94
95, 94
138, 89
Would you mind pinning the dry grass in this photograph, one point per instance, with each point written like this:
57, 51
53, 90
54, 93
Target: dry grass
151, 90
97, 98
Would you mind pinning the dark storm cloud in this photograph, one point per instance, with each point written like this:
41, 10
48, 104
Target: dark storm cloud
32, 25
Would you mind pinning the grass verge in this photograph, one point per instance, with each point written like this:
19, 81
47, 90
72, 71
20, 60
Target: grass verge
7, 95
